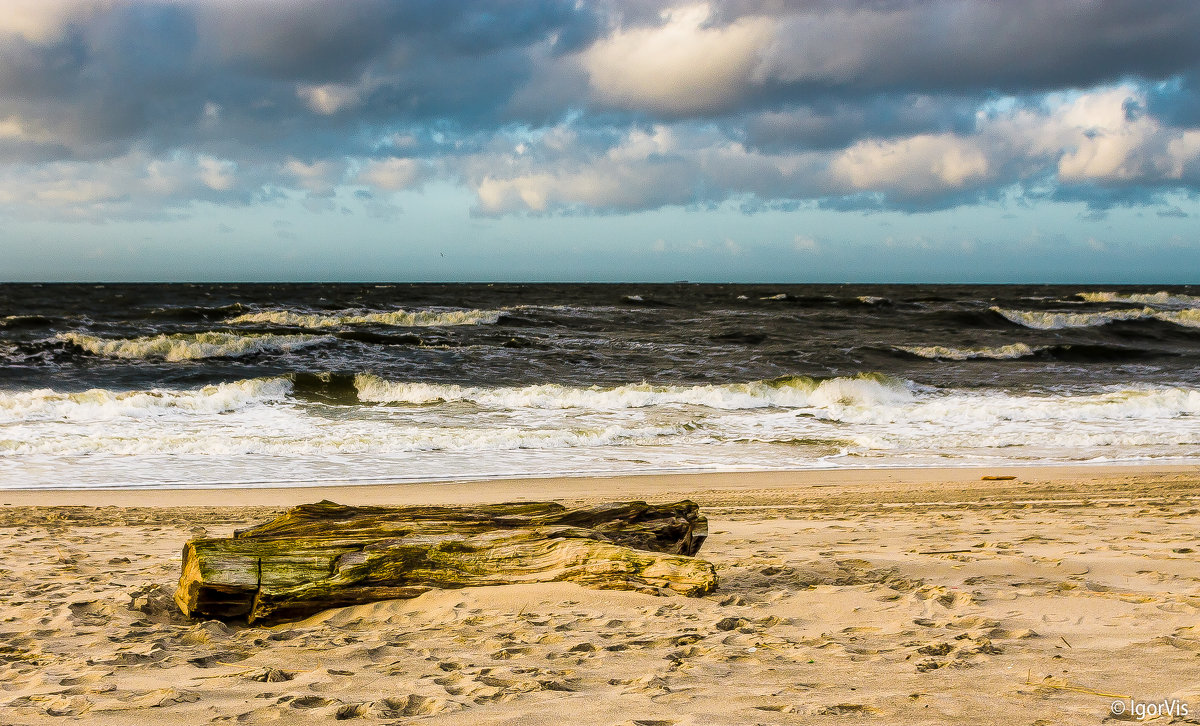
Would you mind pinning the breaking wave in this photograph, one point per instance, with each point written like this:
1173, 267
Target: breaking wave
1162, 298
14, 322
189, 346
1189, 318
1048, 320
1004, 352
100, 404
395, 318
1144, 405
234, 425
791, 392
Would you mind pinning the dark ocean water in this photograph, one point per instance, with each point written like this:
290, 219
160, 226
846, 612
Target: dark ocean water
151, 385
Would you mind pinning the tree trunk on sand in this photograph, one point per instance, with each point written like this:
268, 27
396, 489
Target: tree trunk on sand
324, 555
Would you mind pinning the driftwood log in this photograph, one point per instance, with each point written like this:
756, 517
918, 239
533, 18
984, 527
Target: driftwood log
325, 555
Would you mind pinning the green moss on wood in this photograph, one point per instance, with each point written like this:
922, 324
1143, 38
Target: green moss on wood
327, 555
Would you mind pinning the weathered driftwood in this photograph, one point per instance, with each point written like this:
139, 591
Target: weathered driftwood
324, 555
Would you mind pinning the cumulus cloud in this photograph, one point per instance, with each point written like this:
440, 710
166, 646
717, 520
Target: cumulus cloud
217, 174
115, 106
133, 185
915, 166
319, 178
1093, 139
391, 174
683, 65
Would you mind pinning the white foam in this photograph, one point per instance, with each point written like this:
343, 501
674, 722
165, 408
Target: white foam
967, 409
1161, 298
189, 346
286, 440
789, 392
1003, 352
99, 404
397, 318
965, 427
255, 430
1048, 320
1189, 318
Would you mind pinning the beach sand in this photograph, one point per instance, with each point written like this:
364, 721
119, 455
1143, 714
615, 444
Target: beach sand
886, 596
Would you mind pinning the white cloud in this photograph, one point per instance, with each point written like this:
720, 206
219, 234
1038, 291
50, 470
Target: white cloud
131, 185
1183, 155
44, 21
319, 178
681, 66
1095, 137
601, 185
1082, 137
11, 128
76, 192
392, 174
217, 174
639, 145
1105, 143
918, 165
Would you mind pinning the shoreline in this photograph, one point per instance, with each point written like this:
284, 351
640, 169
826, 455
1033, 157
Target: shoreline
591, 488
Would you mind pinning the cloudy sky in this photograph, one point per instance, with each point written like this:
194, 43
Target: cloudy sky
822, 140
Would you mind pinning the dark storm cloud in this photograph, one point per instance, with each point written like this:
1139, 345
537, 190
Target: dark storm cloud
1013, 46
610, 106
144, 72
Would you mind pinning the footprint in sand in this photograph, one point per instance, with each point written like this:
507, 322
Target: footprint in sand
91, 612
414, 705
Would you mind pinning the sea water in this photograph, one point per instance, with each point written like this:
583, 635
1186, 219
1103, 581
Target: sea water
276, 384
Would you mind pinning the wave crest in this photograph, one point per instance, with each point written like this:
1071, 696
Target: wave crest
100, 404
1049, 320
189, 346
1004, 352
395, 318
1161, 298
792, 392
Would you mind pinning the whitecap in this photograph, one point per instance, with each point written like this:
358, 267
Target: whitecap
792, 392
1003, 352
189, 346
1050, 320
1161, 298
100, 404
396, 318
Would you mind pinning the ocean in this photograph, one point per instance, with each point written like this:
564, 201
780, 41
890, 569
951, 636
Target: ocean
217, 385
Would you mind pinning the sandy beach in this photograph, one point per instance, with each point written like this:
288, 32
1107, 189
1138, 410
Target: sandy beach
894, 596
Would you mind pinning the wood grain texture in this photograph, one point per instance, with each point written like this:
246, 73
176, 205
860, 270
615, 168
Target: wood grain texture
323, 555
